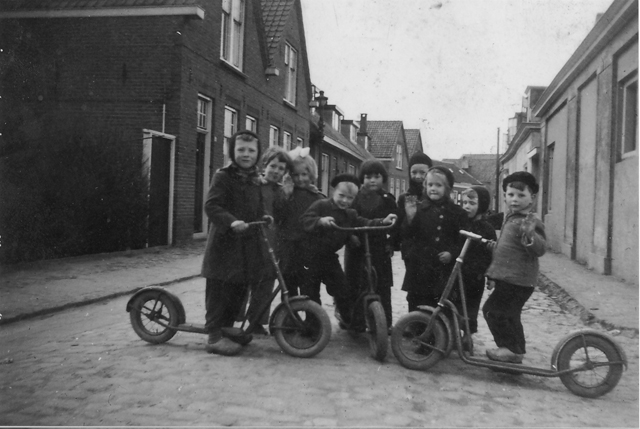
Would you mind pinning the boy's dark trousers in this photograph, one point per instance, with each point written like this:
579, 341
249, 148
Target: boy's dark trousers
473, 289
223, 301
327, 269
502, 312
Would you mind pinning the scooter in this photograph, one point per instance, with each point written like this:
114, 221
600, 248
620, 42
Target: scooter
300, 326
589, 363
369, 300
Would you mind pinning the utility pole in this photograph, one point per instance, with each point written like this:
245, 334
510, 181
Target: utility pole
497, 202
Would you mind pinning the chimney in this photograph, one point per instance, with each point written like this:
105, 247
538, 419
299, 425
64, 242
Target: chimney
363, 136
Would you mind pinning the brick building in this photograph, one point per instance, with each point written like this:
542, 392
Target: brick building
176, 77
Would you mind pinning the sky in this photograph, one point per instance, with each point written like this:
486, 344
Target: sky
455, 69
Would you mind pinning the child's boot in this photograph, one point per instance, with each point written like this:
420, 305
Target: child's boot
503, 354
222, 346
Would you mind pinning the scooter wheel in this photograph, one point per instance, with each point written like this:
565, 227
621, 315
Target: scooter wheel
301, 341
149, 308
408, 346
377, 327
594, 354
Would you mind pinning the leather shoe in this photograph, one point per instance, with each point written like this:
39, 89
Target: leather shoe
224, 347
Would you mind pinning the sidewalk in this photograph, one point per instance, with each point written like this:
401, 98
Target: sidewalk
32, 289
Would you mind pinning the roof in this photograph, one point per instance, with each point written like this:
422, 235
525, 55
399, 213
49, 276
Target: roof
70, 8
384, 137
275, 14
459, 175
481, 166
414, 141
345, 144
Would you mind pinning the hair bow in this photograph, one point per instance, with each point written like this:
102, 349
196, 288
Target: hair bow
301, 152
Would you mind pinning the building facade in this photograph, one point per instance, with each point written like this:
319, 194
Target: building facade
176, 77
388, 144
589, 147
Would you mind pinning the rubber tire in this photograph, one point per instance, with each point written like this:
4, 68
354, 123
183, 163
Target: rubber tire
299, 344
377, 330
141, 322
574, 382
404, 346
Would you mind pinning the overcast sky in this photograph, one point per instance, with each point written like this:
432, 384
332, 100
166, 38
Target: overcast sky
455, 69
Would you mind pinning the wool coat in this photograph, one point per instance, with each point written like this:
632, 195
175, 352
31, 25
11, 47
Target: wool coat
434, 229
230, 256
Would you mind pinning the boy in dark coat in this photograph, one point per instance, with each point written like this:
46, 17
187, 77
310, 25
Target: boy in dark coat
322, 242
475, 201
234, 257
372, 202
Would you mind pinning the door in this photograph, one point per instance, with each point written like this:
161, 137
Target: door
159, 191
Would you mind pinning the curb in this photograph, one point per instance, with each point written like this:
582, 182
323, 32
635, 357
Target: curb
568, 303
44, 311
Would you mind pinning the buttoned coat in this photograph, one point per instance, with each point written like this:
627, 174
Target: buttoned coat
434, 229
230, 256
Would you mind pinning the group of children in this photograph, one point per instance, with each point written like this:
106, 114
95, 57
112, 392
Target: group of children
427, 234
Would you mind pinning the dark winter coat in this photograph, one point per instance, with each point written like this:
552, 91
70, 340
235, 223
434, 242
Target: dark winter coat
478, 257
434, 229
289, 231
230, 256
379, 243
321, 241
399, 240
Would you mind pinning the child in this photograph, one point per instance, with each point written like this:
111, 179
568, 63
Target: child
514, 270
322, 242
434, 226
298, 197
372, 202
234, 256
419, 165
276, 163
475, 201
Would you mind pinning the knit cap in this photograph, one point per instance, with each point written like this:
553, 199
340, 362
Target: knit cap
420, 158
345, 177
484, 198
448, 174
524, 177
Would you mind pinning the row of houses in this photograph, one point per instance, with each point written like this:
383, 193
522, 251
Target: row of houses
579, 137
177, 78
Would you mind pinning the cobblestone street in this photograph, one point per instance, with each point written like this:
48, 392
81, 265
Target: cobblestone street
86, 366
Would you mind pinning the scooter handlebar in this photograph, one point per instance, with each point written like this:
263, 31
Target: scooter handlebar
473, 236
364, 228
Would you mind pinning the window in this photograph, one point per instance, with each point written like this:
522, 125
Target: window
628, 93
392, 186
203, 150
230, 127
404, 187
335, 121
399, 157
286, 141
232, 37
291, 78
251, 124
300, 142
352, 169
203, 111
274, 136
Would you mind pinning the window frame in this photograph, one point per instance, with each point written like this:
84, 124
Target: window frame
287, 141
232, 30
230, 128
627, 111
251, 123
274, 132
291, 73
399, 157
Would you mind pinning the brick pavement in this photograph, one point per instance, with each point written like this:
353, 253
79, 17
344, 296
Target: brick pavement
32, 289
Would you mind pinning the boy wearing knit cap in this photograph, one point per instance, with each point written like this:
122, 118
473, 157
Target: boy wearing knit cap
475, 201
322, 242
513, 272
